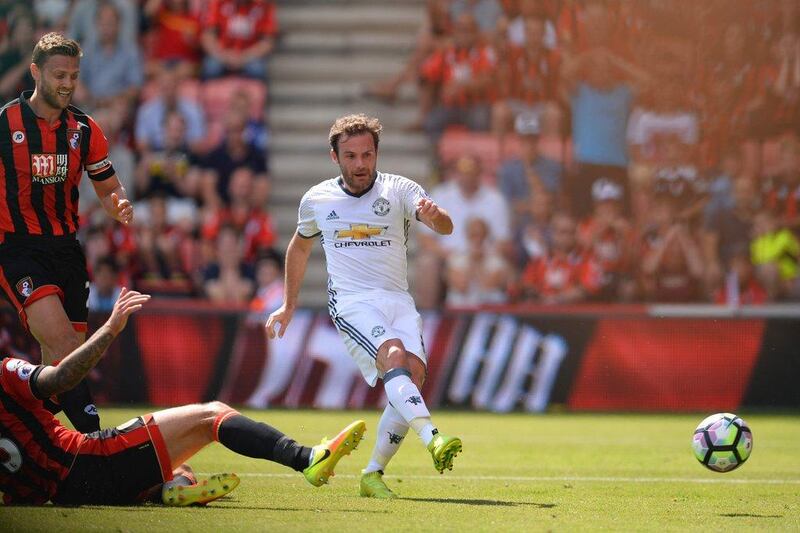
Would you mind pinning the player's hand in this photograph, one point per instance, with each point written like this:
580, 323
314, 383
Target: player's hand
427, 210
128, 302
282, 316
123, 209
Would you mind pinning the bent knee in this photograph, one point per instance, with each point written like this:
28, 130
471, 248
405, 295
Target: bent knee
214, 413
394, 356
215, 408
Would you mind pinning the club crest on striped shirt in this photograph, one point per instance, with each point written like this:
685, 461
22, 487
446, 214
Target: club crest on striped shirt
74, 137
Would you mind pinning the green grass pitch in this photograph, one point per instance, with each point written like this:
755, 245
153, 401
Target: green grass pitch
559, 472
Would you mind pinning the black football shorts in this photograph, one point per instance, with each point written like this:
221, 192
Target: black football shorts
117, 466
32, 267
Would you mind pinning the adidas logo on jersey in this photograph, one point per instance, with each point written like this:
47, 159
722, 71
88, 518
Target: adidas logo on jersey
332, 216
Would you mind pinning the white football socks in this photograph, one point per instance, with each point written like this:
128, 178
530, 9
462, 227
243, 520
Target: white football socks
392, 429
425, 429
405, 397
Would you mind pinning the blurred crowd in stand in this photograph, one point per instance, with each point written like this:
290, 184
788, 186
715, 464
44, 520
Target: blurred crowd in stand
610, 150
179, 88
587, 150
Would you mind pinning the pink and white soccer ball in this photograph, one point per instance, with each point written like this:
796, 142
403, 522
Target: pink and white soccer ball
722, 442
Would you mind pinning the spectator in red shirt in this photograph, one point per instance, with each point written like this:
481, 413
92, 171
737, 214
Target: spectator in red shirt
564, 275
461, 77
511, 25
245, 214
175, 35
238, 35
432, 35
608, 236
527, 77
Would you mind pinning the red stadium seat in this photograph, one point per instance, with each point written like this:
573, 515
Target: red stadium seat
457, 142
189, 89
217, 94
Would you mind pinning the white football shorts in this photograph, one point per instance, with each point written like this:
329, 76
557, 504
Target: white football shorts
365, 322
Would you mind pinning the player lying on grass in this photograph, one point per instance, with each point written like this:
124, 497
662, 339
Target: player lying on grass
41, 460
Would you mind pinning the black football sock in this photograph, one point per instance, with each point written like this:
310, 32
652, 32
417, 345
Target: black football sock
254, 439
80, 409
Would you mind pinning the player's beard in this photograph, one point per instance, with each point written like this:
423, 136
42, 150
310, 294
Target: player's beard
51, 97
358, 184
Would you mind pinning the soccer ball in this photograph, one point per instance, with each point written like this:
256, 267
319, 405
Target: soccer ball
722, 442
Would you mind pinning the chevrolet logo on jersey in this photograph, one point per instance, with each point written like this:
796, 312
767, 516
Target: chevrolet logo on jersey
360, 235
359, 232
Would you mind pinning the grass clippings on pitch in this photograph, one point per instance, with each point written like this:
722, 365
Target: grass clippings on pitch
560, 472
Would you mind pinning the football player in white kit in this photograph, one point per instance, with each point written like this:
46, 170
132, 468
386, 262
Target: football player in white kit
362, 219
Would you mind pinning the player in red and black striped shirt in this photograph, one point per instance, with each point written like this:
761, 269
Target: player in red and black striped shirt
45, 145
41, 460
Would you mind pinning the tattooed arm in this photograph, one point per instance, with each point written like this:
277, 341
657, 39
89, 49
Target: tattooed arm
74, 367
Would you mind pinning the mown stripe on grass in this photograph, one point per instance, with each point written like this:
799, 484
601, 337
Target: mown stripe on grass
554, 478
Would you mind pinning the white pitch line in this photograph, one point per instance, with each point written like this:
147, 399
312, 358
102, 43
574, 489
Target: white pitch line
589, 479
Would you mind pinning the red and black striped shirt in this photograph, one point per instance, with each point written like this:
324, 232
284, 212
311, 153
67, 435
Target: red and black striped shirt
41, 167
36, 451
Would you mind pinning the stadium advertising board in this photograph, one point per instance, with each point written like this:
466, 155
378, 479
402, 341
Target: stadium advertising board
494, 361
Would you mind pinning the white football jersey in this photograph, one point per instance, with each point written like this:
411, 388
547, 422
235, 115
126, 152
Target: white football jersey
364, 236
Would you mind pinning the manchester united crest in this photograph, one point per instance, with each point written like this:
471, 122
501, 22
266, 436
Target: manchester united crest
381, 207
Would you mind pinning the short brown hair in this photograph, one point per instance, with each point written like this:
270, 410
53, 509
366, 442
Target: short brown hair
354, 125
54, 44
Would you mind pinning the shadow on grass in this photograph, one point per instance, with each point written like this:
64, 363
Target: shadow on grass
496, 503
750, 515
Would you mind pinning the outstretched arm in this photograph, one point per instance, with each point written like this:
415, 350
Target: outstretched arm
296, 260
73, 368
